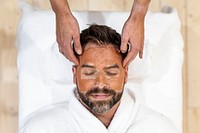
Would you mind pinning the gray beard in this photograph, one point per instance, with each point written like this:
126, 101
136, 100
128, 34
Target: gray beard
103, 106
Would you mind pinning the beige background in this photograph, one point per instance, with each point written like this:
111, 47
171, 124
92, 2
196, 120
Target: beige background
189, 13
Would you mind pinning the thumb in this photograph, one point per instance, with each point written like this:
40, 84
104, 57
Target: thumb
124, 43
77, 45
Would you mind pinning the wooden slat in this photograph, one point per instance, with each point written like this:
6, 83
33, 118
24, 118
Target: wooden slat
79, 5
9, 65
193, 19
155, 5
43, 4
9, 108
106, 5
128, 5
9, 16
193, 52
194, 121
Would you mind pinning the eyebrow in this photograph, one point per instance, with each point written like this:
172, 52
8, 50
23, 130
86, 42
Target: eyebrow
108, 67
112, 66
87, 65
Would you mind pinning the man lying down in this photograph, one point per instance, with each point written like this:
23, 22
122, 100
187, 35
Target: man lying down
100, 103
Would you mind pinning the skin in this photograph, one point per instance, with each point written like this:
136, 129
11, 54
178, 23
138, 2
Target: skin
67, 29
108, 57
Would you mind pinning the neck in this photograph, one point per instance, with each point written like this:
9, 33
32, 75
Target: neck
106, 118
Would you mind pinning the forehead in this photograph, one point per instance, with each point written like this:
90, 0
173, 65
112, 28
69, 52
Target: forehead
100, 55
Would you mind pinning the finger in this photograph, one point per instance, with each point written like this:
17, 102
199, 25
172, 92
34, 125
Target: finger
67, 40
65, 45
69, 54
60, 49
77, 44
130, 57
141, 54
67, 50
124, 43
141, 51
126, 65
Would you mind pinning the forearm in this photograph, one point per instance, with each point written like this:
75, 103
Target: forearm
60, 7
139, 8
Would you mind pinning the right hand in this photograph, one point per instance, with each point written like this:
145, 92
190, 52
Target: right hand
67, 30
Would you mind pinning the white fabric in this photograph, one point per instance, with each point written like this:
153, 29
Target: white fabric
45, 76
73, 117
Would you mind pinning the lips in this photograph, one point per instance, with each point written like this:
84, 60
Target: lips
100, 96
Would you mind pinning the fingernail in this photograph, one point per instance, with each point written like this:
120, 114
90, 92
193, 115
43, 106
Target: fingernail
141, 55
123, 50
79, 52
124, 64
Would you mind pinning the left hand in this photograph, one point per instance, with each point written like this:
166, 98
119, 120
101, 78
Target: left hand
132, 33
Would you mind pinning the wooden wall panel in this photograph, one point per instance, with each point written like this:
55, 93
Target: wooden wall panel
106, 5
128, 5
155, 5
193, 53
9, 107
9, 16
8, 63
193, 37
44, 4
8, 87
194, 121
80, 5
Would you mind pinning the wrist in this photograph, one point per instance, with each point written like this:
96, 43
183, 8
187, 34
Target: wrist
63, 13
60, 7
139, 9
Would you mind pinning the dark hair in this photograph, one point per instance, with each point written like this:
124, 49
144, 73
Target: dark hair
101, 35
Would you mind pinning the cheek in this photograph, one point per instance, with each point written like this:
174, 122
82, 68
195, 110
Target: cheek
117, 84
84, 84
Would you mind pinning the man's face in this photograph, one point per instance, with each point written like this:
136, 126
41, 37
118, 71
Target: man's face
100, 77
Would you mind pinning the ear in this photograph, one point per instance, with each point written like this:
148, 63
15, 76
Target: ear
74, 69
126, 74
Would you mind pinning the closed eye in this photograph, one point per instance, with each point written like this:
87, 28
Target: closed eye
111, 73
89, 73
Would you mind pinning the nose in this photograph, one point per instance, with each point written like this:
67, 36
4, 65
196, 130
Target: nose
101, 81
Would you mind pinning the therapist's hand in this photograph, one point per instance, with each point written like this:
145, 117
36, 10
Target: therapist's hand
132, 35
133, 31
67, 30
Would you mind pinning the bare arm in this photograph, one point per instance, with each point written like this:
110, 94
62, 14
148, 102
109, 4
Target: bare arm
67, 29
133, 31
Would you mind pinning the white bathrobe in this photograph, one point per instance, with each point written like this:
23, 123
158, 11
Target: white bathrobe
73, 117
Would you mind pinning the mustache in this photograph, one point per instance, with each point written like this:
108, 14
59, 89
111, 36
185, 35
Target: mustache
103, 90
